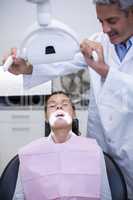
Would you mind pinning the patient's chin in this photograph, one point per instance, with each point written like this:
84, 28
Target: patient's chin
60, 123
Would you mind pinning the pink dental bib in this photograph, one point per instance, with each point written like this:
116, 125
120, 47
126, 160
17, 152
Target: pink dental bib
57, 171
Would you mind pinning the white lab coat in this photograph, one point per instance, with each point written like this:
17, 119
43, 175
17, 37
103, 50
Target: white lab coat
111, 103
111, 110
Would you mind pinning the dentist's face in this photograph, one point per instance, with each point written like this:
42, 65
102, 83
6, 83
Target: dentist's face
117, 24
59, 111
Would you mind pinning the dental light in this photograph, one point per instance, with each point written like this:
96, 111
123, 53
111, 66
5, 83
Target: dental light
47, 41
43, 11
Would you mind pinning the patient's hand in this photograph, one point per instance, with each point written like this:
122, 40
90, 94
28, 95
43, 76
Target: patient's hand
19, 66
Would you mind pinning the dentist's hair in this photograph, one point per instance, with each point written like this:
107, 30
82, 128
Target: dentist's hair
123, 4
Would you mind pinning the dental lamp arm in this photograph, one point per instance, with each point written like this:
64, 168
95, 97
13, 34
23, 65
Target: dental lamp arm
43, 11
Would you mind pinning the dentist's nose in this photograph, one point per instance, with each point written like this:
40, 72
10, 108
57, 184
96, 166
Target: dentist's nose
106, 28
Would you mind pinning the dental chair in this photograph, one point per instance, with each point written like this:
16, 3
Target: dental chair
116, 179
115, 176
8, 179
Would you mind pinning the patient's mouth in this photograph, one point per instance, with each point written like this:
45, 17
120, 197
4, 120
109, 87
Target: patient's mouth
60, 115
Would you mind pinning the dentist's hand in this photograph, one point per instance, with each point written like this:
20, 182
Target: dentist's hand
19, 66
87, 47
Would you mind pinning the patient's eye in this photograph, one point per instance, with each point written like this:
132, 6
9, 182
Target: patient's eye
51, 106
65, 104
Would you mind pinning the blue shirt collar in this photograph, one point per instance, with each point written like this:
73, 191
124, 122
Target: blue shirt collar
121, 50
130, 40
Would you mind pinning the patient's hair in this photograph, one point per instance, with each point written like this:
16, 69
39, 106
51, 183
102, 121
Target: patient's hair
55, 93
123, 4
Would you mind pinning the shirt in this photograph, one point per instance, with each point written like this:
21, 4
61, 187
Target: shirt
122, 48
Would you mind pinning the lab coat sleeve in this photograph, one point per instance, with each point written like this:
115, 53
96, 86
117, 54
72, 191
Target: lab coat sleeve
117, 91
45, 72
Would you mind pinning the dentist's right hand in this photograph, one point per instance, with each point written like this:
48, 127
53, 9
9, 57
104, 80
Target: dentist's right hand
19, 66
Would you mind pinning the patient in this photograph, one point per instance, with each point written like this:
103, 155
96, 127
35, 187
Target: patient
63, 165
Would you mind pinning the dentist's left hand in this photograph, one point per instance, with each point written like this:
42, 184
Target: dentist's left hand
19, 66
87, 47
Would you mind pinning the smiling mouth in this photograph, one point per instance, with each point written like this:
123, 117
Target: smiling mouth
112, 35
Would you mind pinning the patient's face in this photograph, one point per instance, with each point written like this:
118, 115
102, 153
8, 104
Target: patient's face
59, 111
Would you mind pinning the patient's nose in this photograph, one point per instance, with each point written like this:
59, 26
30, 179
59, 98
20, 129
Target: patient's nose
59, 106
